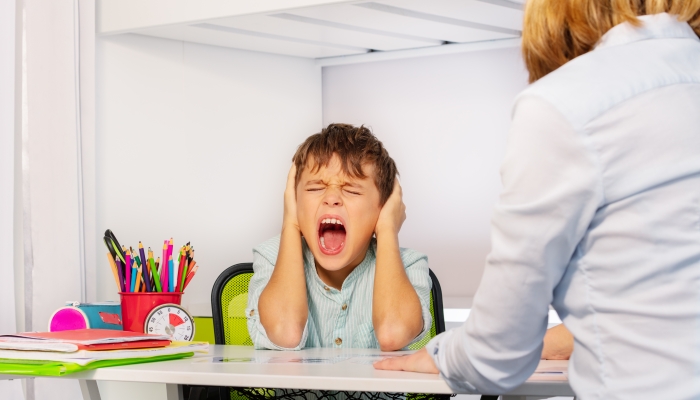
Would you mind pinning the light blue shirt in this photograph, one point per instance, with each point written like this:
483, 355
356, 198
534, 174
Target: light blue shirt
600, 217
337, 318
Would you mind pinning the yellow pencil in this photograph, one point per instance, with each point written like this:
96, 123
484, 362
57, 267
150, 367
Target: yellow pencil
138, 280
113, 265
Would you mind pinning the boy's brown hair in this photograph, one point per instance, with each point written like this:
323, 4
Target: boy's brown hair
354, 146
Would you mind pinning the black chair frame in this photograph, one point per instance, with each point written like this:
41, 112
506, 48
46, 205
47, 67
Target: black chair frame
216, 292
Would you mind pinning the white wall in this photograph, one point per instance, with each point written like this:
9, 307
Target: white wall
444, 120
195, 142
11, 390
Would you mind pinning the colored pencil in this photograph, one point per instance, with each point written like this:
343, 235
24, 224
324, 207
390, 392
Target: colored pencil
190, 276
171, 275
154, 272
120, 271
144, 260
159, 268
137, 286
127, 268
186, 269
113, 266
133, 275
164, 269
180, 282
171, 271
170, 248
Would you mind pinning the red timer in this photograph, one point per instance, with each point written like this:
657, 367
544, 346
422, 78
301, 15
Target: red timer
171, 320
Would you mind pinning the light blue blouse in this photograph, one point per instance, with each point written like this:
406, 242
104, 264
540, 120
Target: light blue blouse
337, 318
600, 217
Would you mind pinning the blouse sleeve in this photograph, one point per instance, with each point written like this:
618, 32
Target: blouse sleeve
551, 190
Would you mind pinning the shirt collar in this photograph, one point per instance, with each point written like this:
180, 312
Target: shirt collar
656, 26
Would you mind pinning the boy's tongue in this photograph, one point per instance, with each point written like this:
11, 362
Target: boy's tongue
333, 238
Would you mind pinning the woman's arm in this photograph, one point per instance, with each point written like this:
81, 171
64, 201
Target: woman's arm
551, 191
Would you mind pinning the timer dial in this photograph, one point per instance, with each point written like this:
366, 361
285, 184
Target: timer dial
171, 320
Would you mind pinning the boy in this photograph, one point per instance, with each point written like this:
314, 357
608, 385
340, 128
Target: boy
326, 281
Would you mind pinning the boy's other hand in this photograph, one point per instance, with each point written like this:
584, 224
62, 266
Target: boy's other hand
393, 213
290, 219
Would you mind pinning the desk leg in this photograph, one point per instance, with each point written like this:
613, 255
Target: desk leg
174, 392
89, 389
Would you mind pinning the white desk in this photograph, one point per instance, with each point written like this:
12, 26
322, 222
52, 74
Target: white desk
342, 375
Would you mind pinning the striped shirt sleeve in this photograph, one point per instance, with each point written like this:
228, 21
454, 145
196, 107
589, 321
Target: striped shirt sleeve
416, 265
262, 268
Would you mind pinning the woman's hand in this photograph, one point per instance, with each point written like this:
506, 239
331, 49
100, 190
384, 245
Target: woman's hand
290, 219
393, 213
419, 361
558, 343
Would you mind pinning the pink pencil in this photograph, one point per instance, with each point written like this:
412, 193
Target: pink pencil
128, 271
170, 248
164, 273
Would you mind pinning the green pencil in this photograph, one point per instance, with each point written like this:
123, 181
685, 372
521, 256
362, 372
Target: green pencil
154, 270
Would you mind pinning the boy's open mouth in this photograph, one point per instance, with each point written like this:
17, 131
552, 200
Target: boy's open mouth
331, 234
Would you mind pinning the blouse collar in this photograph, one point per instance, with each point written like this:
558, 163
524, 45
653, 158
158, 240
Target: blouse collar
656, 26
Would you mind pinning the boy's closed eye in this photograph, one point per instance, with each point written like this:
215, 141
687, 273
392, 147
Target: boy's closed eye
349, 188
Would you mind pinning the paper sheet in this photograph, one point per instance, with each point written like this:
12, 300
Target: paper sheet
280, 360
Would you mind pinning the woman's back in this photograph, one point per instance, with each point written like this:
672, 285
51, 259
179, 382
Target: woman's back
631, 293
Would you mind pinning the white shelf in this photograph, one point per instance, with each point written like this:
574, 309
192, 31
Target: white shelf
320, 29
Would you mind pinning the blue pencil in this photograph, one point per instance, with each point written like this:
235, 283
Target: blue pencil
134, 272
171, 284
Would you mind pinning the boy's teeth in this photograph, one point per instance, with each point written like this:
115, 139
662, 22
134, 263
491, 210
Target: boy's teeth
331, 221
323, 242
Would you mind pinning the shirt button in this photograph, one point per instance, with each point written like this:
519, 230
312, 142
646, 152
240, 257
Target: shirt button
252, 312
345, 307
327, 288
338, 341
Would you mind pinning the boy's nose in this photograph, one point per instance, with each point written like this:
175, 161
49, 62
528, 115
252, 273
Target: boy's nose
333, 203
332, 199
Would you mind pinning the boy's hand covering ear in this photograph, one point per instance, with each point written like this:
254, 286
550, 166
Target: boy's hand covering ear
290, 219
393, 213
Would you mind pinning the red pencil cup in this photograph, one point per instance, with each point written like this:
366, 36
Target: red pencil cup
136, 307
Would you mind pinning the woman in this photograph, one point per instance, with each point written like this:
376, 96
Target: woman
600, 211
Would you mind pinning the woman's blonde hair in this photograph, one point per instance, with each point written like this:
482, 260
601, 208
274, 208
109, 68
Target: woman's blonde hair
557, 31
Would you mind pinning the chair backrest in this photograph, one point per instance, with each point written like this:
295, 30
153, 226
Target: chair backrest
229, 298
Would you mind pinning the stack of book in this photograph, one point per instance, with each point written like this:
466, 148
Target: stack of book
65, 352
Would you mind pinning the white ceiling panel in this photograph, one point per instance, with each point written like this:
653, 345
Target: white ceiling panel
495, 13
240, 39
373, 19
336, 28
325, 32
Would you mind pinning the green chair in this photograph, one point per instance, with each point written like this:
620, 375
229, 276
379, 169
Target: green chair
229, 298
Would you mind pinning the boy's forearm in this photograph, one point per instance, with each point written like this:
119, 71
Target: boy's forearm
283, 304
396, 311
